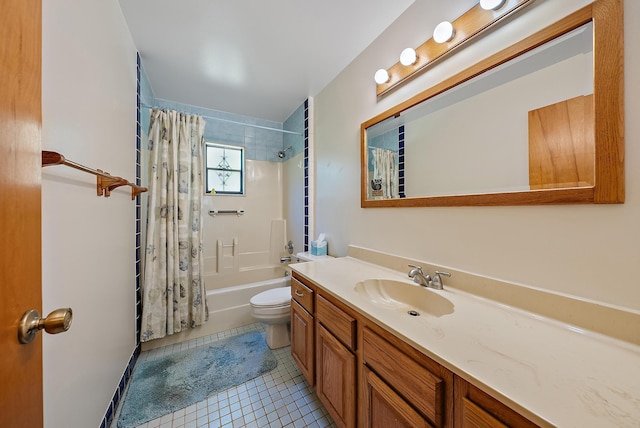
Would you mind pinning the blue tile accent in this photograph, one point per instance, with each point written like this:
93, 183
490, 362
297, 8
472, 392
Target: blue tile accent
124, 381
306, 175
401, 154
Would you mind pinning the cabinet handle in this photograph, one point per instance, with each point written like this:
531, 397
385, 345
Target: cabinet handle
298, 294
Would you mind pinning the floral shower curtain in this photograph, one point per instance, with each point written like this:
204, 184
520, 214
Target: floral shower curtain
385, 172
173, 292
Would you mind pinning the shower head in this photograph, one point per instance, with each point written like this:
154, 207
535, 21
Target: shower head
283, 153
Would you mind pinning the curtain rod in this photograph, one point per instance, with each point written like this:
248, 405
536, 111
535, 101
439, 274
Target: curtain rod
284, 131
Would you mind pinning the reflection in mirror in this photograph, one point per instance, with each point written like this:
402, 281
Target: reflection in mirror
526, 124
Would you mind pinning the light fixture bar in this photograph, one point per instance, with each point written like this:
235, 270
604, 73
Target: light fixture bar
467, 26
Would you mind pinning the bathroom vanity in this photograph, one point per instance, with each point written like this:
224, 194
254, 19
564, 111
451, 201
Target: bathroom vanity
382, 351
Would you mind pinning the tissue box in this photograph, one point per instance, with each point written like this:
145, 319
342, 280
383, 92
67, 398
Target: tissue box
319, 248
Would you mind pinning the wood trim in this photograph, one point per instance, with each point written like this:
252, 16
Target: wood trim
608, 80
582, 195
608, 107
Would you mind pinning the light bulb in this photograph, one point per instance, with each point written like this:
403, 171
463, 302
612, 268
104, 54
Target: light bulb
408, 57
443, 32
491, 4
381, 76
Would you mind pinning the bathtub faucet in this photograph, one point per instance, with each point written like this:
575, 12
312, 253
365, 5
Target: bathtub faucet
285, 259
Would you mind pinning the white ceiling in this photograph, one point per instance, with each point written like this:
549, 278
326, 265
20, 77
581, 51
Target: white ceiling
252, 57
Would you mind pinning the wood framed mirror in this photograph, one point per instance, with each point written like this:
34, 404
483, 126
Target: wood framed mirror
579, 159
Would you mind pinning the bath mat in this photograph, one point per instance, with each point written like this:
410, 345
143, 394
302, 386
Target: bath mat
178, 380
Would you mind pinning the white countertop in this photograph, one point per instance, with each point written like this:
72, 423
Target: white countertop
551, 372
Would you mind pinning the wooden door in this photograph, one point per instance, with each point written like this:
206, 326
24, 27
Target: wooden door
302, 341
336, 378
386, 409
20, 182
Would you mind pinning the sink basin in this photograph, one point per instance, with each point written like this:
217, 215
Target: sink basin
404, 296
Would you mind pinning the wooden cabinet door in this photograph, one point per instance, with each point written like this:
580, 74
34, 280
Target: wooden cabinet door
336, 378
385, 408
302, 349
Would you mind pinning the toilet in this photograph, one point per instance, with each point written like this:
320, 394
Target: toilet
273, 308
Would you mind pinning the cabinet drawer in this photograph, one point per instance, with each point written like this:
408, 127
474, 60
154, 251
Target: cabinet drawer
302, 294
385, 408
474, 416
412, 381
475, 408
338, 322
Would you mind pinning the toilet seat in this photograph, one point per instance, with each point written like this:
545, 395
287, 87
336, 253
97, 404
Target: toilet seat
274, 298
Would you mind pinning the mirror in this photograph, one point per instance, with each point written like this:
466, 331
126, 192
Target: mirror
540, 122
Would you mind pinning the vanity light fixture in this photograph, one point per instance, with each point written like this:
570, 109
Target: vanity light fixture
381, 76
492, 4
443, 32
408, 56
447, 36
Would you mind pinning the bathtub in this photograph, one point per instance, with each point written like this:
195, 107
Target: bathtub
229, 306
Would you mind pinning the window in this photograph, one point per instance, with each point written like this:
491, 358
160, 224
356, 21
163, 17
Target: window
224, 169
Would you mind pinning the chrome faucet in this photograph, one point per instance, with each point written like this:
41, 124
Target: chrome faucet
436, 282
418, 276
285, 259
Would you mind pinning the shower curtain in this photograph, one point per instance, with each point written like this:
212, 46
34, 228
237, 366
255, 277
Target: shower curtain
173, 291
385, 172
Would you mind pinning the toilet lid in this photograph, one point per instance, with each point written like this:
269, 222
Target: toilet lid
280, 296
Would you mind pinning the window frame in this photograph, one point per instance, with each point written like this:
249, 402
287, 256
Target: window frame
207, 168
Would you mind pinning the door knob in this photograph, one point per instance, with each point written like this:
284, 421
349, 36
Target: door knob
56, 322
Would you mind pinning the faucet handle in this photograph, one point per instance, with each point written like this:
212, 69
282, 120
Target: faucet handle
419, 268
436, 282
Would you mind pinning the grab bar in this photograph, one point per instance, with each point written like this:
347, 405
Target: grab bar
214, 213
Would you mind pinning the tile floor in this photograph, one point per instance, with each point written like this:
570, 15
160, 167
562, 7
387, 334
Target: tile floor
279, 398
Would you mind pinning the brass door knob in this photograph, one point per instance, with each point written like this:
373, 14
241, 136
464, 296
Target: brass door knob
56, 322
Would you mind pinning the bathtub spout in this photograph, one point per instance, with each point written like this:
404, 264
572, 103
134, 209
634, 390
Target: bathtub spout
285, 259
